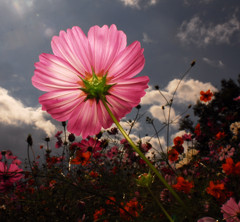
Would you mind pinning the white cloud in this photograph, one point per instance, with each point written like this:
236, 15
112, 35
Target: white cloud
162, 114
138, 4
187, 93
189, 90
214, 63
20, 7
146, 38
196, 32
14, 113
154, 97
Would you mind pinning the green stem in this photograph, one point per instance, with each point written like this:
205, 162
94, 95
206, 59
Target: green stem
161, 206
141, 154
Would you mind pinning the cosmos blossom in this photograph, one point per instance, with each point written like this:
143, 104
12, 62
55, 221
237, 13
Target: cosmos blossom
206, 96
84, 71
183, 185
9, 175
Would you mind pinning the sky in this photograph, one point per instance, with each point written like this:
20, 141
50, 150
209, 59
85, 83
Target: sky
172, 33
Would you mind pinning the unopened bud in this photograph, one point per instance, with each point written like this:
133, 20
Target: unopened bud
138, 106
145, 180
47, 139
71, 137
29, 140
193, 63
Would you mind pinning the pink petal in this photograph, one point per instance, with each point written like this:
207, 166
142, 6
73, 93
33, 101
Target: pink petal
2, 167
74, 48
60, 104
53, 73
128, 63
106, 43
84, 119
230, 208
130, 90
15, 173
118, 106
104, 118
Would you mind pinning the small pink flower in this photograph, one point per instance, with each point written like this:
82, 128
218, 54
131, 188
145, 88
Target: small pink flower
58, 133
226, 152
112, 152
91, 145
17, 162
231, 211
83, 71
187, 137
59, 143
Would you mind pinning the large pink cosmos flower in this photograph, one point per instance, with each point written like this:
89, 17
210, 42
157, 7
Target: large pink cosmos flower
85, 70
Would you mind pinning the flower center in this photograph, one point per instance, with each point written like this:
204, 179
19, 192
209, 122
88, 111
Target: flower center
95, 87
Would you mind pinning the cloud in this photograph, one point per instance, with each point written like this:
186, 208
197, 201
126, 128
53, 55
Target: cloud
19, 7
14, 113
196, 32
188, 91
214, 63
162, 114
138, 4
146, 38
153, 96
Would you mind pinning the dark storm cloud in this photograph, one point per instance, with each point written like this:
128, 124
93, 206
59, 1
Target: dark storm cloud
27, 27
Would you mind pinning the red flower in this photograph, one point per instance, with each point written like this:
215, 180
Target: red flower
230, 168
220, 135
93, 174
206, 96
178, 141
183, 185
216, 190
180, 149
133, 207
173, 155
109, 202
98, 213
81, 158
197, 130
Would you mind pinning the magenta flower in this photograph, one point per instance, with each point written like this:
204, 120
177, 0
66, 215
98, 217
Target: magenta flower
84, 71
9, 175
91, 145
231, 211
112, 152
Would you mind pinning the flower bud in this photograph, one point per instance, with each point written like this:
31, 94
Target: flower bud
145, 180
